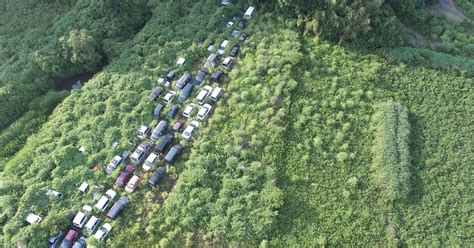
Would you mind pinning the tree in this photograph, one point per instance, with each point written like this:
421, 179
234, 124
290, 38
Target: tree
81, 49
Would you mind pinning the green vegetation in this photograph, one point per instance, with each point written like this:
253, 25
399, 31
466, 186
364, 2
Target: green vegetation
43, 41
330, 197
467, 6
391, 150
429, 58
312, 143
13, 138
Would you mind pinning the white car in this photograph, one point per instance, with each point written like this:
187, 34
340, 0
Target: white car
91, 225
132, 184
201, 97
33, 218
81, 216
103, 231
188, 132
143, 131
113, 164
104, 201
168, 97
204, 112
188, 111
149, 161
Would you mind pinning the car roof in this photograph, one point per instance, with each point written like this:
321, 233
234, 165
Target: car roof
152, 156
111, 193
92, 221
143, 128
70, 235
78, 218
107, 226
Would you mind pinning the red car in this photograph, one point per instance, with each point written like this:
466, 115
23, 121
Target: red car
124, 176
69, 239
179, 124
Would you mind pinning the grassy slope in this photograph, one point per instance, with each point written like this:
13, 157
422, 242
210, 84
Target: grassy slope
324, 170
331, 198
109, 108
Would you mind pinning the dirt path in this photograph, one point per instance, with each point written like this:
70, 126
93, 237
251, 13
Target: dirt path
448, 8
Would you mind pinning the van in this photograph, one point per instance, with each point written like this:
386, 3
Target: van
222, 47
183, 80
210, 61
216, 93
132, 184
173, 152
81, 216
158, 130
184, 94
149, 162
156, 177
203, 94
91, 225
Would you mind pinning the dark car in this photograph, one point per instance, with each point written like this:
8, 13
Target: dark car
157, 111
173, 152
164, 142
199, 78
53, 241
170, 75
217, 76
160, 128
172, 112
242, 37
155, 93
184, 94
117, 207
157, 175
124, 176
242, 24
69, 239
234, 51
80, 243
183, 80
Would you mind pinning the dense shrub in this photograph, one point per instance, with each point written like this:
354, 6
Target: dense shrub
392, 159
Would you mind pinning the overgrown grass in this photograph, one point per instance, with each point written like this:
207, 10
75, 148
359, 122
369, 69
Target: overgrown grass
391, 150
325, 171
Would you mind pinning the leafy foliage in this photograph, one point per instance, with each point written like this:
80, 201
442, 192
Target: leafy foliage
284, 159
31, 54
391, 149
362, 22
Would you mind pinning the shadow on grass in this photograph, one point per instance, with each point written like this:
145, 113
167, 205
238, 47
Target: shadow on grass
417, 159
